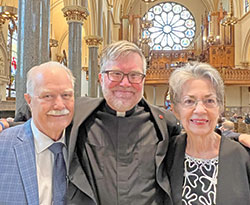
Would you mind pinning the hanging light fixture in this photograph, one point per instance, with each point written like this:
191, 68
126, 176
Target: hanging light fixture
53, 43
144, 40
229, 18
145, 25
7, 13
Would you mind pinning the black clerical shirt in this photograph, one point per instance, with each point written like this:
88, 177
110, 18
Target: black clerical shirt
121, 152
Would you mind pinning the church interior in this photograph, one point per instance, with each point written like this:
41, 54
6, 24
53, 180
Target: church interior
170, 34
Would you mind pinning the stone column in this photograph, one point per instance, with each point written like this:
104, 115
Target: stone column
75, 15
100, 19
100, 33
93, 43
33, 41
109, 21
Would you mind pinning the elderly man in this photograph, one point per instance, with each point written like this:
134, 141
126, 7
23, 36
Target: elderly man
32, 169
117, 144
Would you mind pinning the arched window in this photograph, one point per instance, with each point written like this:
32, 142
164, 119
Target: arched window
12, 47
173, 27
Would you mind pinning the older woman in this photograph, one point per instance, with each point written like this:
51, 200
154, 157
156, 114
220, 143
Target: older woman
203, 167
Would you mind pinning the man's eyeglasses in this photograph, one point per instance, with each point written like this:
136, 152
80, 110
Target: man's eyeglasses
117, 76
189, 102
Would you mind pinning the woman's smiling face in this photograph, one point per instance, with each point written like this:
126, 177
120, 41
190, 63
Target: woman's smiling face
201, 118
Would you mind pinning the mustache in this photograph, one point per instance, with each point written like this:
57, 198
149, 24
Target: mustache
58, 112
120, 88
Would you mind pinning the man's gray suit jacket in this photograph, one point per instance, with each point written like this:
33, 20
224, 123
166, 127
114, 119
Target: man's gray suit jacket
18, 175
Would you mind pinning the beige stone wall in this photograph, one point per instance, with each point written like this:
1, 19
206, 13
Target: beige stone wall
242, 41
160, 92
236, 96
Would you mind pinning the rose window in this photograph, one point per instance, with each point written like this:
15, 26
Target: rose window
173, 27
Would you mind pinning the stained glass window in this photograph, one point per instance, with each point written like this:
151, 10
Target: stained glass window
173, 27
246, 6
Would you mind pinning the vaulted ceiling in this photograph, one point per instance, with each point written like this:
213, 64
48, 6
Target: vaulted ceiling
127, 4
210, 5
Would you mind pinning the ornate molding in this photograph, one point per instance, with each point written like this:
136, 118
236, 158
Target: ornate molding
7, 13
221, 56
235, 76
245, 64
75, 13
230, 76
93, 41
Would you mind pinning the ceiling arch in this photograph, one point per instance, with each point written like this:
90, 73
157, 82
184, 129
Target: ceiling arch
126, 5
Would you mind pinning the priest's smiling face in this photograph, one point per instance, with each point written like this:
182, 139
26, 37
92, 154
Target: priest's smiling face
123, 95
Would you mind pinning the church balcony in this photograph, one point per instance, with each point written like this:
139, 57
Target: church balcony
160, 76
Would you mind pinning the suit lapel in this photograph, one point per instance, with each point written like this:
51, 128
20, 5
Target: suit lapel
176, 153
25, 155
79, 179
83, 109
162, 147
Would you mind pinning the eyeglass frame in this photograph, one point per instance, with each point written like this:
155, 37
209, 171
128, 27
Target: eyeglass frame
123, 75
196, 101
51, 96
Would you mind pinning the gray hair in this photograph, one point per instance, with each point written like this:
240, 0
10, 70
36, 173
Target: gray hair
49, 65
195, 70
118, 49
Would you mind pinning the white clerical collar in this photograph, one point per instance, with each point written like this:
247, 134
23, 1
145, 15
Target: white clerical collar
120, 114
117, 113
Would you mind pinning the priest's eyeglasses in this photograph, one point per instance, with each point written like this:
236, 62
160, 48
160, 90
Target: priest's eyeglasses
117, 76
189, 102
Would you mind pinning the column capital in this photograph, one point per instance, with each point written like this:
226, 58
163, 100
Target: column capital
75, 13
93, 41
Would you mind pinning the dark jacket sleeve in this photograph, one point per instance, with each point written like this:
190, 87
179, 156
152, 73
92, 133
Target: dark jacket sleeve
23, 113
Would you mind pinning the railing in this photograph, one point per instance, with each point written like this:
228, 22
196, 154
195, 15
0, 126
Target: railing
158, 76
235, 76
230, 76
